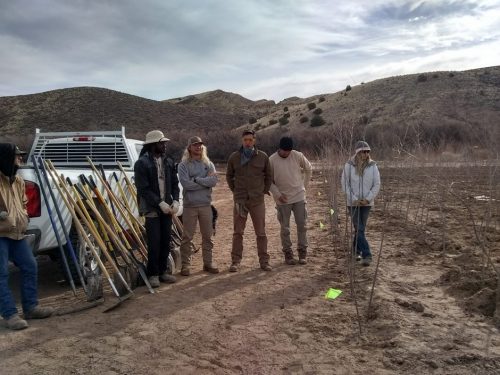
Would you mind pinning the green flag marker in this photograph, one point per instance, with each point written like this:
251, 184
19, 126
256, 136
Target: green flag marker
321, 225
332, 211
333, 293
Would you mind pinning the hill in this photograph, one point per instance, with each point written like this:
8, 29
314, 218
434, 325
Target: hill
431, 109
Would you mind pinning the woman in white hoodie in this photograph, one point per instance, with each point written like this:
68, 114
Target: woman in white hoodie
361, 183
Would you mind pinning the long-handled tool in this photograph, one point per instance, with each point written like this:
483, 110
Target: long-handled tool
123, 245
69, 244
52, 222
76, 213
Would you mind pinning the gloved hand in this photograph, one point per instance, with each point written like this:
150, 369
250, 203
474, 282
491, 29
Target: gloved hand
4, 215
175, 207
165, 208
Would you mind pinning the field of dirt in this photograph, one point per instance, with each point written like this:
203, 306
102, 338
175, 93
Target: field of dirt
431, 313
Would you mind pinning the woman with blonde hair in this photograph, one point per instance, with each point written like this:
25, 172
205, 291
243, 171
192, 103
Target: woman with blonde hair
361, 183
197, 176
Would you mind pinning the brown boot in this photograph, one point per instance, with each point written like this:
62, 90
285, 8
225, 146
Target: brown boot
185, 270
39, 312
210, 268
234, 267
266, 267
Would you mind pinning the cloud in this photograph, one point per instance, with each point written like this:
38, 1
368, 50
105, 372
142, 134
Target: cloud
261, 48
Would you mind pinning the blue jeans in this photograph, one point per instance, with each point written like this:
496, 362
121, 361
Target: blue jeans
359, 215
19, 252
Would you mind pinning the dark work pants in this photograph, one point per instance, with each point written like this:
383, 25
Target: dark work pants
158, 230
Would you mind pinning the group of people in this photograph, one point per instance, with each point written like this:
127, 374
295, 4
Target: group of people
250, 175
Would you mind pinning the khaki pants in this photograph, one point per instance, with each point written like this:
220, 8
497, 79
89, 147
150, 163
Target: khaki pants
190, 217
284, 212
258, 215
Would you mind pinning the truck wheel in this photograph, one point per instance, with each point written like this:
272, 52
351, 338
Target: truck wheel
88, 265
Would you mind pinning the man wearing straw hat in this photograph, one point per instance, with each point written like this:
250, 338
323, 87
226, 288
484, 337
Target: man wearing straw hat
197, 176
158, 198
13, 243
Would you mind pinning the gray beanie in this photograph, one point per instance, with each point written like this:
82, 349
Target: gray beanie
362, 146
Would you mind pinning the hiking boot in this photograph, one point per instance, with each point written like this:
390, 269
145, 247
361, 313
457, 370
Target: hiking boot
154, 281
302, 261
290, 261
39, 312
210, 269
167, 278
235, 267
185, 271
366, 261
358, 257
266, 267
16, 323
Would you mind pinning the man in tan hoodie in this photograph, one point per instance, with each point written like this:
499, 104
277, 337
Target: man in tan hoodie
291, 175
13, 245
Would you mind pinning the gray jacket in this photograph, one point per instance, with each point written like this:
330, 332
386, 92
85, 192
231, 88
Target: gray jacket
197, 186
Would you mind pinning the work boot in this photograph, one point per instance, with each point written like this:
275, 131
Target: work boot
210, 268
365, 262
234, 267
154, 281
16, 323
290, 261
185, 270
167, 278
39, 312
266, 267
302, 261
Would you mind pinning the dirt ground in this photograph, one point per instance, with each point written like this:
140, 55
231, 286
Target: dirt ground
431, 311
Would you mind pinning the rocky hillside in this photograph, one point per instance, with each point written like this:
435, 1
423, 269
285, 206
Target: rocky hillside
90, 108
433, 109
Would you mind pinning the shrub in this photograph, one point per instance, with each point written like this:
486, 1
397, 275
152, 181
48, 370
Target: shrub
285, 109
304, 119
451, 75
318, 111
348, 88
311, 105
317, 120
435, 75
287, 115
283, 120
321, 99
257, 126
421, 78
272, 121
252, 120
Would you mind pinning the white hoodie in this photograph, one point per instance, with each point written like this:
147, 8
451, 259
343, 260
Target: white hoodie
358, 187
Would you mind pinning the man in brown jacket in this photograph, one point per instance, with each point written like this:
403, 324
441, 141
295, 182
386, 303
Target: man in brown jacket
249, 178
13, 245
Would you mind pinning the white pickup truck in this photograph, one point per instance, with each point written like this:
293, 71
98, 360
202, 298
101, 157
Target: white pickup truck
68, 152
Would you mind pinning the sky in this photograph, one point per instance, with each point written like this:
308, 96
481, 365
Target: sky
261, 49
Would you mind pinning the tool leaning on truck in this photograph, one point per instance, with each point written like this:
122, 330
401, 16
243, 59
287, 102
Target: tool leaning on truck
102, 214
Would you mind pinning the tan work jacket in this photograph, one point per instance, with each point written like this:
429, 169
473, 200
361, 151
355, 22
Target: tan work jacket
13, 200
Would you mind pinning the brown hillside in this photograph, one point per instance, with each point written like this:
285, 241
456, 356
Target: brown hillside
226, 102
90, 108
432, 109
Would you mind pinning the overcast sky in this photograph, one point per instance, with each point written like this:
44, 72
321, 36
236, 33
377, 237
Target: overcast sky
269, 49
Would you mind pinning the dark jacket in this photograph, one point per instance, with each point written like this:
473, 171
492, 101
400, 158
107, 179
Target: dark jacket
12, 195
249, 182
146, 181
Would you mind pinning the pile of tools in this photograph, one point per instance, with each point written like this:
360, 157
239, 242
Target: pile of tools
110, 233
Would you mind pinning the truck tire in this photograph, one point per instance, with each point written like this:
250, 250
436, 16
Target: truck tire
88, 265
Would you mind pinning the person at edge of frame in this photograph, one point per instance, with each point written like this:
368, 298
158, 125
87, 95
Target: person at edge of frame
197, 176
14, 245
291, 175
361, 184
158, 199
249, 177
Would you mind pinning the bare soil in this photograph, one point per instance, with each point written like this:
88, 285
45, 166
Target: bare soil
431, 312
